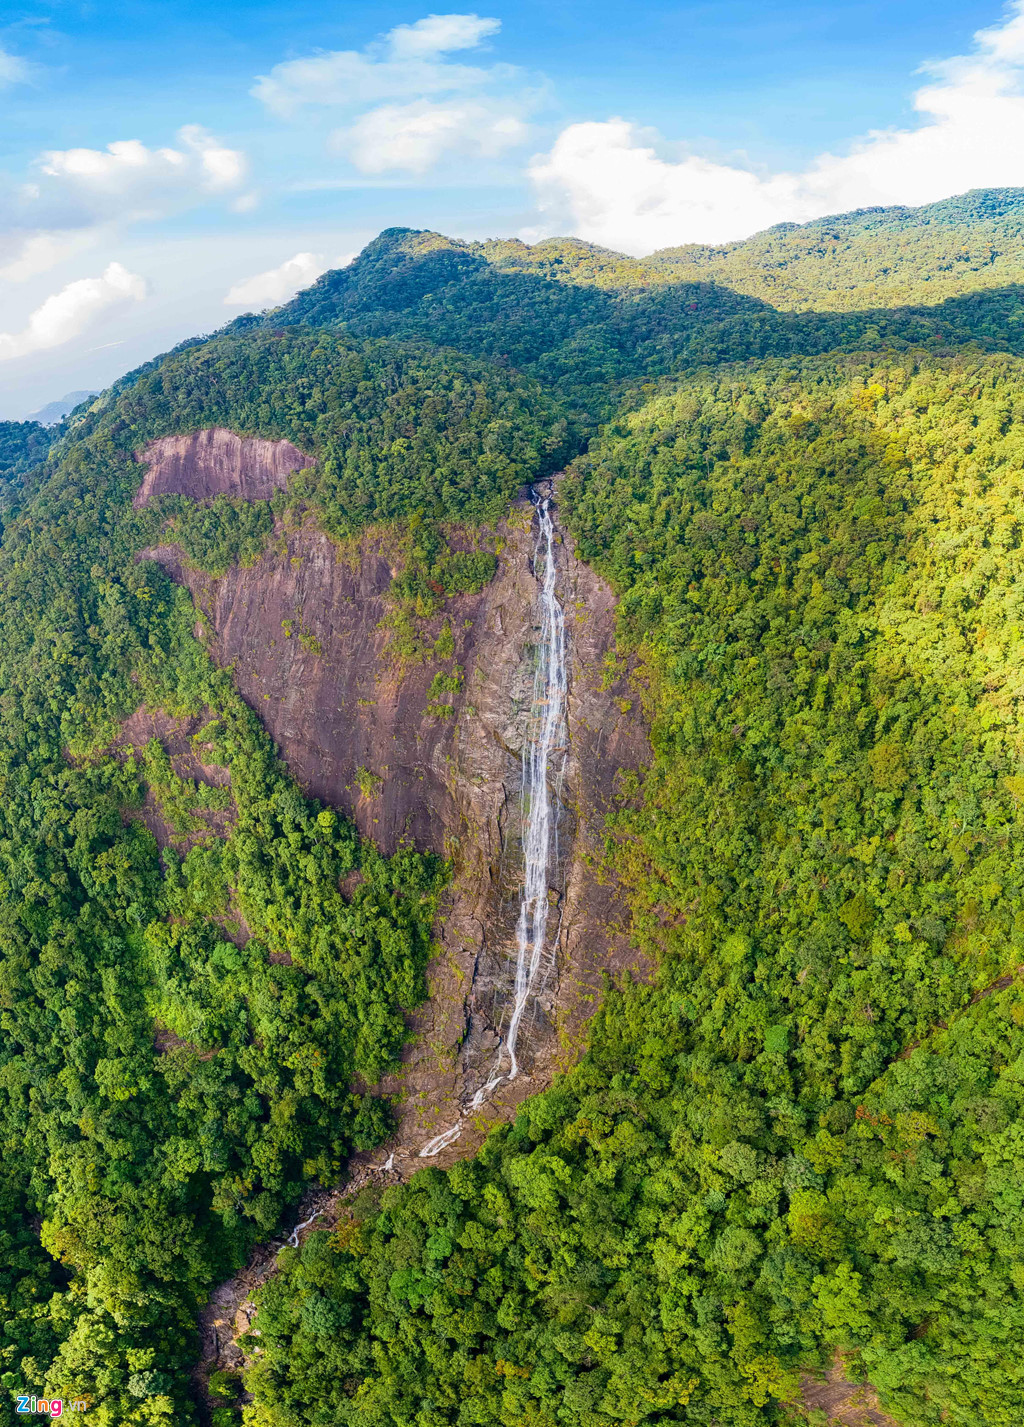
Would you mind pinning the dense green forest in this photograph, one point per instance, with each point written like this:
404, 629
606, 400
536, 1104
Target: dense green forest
779, 1149
595, 326
878, 257
799, 461
23, 444
165, 1093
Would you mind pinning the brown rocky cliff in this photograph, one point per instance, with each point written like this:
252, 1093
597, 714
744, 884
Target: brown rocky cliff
337, 702
302, 630
216, 462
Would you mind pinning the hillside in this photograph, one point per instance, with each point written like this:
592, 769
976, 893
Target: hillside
775, 1151
879, 257
188, 996
23, 444
278, 632
594, 326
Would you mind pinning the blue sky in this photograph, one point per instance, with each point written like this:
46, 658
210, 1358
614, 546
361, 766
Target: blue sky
166, 166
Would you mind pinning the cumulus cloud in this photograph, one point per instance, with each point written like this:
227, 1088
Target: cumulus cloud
410, 70
609, 183
409, 62
413, 137
66, 314
78, 197
25, 255
128, 171
271, 288
440, 34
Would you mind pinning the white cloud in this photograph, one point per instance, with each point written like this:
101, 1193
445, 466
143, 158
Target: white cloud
415, 136
78, 197
601, 182
408, 69
609, 183
128, 171
439, 34
220, 168
409, 62
69, 312
13, 69
271, 288
116, 169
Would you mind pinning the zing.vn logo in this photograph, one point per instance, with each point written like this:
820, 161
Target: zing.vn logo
51, 1406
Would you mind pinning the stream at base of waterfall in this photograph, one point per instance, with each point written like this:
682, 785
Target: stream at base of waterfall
543, 770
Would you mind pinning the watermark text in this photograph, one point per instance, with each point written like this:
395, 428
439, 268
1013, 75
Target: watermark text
50, 1406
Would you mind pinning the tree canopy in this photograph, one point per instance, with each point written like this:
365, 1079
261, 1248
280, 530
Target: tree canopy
799, 462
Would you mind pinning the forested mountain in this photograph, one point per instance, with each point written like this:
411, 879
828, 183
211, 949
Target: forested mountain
166, 1093
594, 325
873, 258
23, 444
798, 463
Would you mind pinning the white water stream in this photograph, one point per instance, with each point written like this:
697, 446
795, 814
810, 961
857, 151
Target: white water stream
544, 758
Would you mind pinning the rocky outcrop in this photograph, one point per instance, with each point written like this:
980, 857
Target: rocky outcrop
216, 462
176, 736
303, 631
841, 1402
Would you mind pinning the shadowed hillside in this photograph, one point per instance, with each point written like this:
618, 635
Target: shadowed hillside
592, 325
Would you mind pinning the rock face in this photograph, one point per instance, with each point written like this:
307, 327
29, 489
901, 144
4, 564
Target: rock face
302, 630
217, 462
176, 737
845, 1403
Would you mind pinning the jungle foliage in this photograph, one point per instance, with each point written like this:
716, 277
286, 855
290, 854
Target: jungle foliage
805, 1134
182, 1030
395, 429
595, 326
877, 257
23, 444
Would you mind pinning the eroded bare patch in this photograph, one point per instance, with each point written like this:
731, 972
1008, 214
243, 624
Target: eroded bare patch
176, 736
845, 1403
205, 464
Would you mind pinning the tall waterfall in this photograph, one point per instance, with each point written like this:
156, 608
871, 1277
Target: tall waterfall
543, 769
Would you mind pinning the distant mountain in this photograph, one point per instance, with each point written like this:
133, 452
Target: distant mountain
55, 411
875, 257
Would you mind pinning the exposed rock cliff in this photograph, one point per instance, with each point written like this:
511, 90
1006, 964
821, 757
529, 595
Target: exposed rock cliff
216, 462
176, 737
303, 632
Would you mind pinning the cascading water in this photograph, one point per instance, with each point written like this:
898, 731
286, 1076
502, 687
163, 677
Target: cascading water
543, 770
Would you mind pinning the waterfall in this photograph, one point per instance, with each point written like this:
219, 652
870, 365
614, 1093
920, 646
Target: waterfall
543, 770
543, 765
293, 1237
